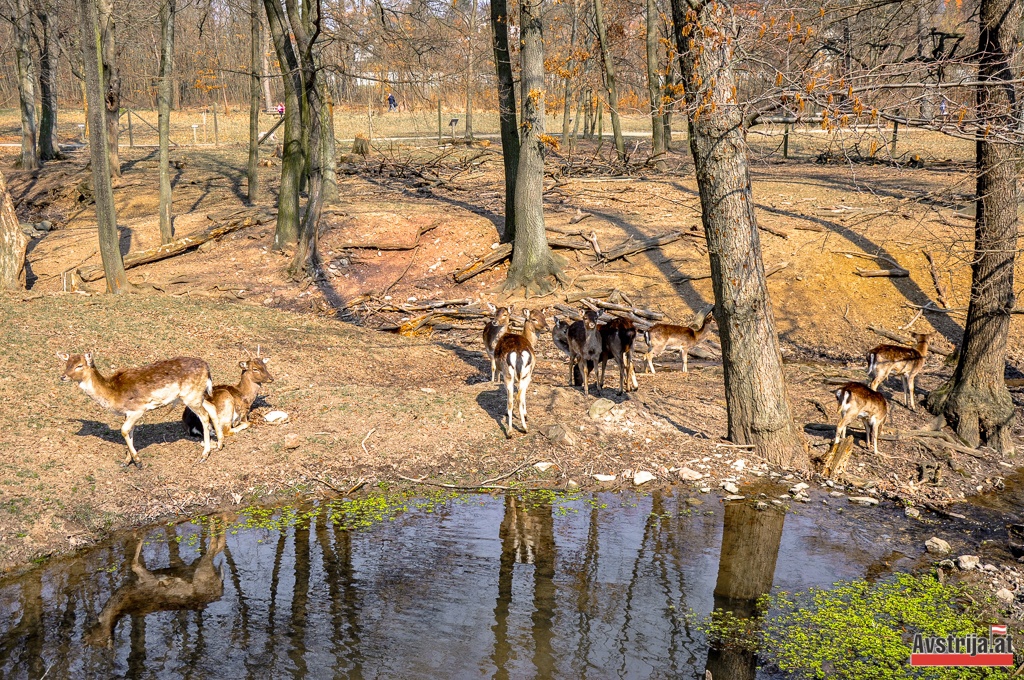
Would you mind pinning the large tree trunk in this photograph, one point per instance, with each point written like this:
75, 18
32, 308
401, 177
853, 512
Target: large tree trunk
13, 243
534, 265
293, 161
567, 91
755, 385
609, 79
506, 114
654, 84
330, 150
253, 170
268, 97
167, 12
975, 401
106, 217
112, 83
469, 72
48, 149
21, 21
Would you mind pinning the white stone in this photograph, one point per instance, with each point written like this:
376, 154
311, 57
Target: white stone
604, 479
864, 500
543, 466
734, 497
797, 488
642, 477
912, 512
937, 546
1005, 596
688, 475
967, 562
730, 488
600, 408
275, 417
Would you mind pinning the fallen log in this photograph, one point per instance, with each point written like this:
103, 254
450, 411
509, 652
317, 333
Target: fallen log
599, 293
385, 245
891, 273
634, 248
904, 340
502, 253
773, 230
775, 268
177, 247
643, 313
837, 458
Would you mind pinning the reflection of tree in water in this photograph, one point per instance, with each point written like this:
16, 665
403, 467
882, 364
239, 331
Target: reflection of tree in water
750, 548
527, 536
28, 635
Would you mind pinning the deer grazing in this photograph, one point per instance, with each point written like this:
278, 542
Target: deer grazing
857, 400
132, 392
516, 359
231, 403
495, 328
584, 339
663, 337
906, 362
617, 337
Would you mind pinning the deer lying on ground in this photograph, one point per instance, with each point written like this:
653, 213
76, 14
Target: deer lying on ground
231, 403
857, 400
906, 362
664, 337
133, 391
495, 328
584, 339
617, 337
516, 359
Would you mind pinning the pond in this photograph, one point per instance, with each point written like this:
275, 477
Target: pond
496, 586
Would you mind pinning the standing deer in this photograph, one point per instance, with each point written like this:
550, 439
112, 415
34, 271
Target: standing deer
617, 337
584, 340
133, 391
516, 360
560, 338
906, 362
231, 403
663, 337
495, 328
857, 400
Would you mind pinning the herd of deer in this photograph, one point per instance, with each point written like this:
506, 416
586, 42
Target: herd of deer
589, 344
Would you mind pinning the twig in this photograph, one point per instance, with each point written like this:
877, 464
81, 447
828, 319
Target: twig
363, 443
867, 256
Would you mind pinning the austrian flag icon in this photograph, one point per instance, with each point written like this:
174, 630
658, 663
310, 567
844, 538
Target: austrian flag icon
998, 630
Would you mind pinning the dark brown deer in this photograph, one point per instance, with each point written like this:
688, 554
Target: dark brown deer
231, 403
617, 338
560, 338
857, 400
664, 337
131, 392
516, 359
584, 341
906, 362
495, 328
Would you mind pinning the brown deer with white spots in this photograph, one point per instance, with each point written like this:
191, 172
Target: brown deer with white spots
516, 359
906, 362
495, 328
131, 392
665, 337
231, 403
857, 400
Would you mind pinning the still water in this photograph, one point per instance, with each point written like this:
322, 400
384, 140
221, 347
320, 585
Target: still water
481, 586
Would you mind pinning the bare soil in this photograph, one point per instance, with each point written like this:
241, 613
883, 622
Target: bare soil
377, 407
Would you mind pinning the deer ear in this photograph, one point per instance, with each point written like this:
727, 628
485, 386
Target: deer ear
63, 356
266, 359
243, 365
88, 359
490, 306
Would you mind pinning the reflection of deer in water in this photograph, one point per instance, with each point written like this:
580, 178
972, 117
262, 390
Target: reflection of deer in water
183, 587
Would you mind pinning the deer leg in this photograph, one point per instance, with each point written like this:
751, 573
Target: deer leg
910, 391
494, 370
683, 353
523, 384
207, 414
128, 432
586, 376
632, 373
509, 381
847, 418
879, 378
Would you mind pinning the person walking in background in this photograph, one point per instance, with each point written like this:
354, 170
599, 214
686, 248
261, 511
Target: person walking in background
392, 102
280, 110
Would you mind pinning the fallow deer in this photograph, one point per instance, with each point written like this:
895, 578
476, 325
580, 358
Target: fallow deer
231, 403
516, 359
133, 391
584, 340
906, 362
857, 400
495, 328
664, 337
617, 337
560, 337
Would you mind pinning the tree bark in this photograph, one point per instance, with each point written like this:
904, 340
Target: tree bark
21, 21
469, 72
48, 148
755, 385
265, 48
112, 82
976, 402
13, 243
93, 49
609, 79
534, 265
506, 113
330, 159
567, 90
167, 16
654, 85
253, 170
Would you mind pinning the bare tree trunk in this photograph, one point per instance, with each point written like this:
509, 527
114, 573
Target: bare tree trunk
92, 50
755, 384
21, 21
48, 148
975, 401
469, 73
534, 265
167, 17
506, 114
13, 243
330, 161
567, 98
112, 83
268, 97
253, 169
609, 79
654, 85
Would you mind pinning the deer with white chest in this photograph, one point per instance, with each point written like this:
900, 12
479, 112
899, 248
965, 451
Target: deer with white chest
857, 400
516, 359
906, 362
231, 403
495, 328
131, 392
